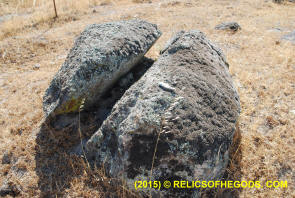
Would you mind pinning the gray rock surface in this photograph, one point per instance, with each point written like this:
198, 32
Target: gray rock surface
175, 123
68, 129
281, 1
8, 188
100, 56
6, 159
289, 37
231, 26
277, 1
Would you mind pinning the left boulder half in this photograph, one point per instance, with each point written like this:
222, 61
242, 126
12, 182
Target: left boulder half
100, 56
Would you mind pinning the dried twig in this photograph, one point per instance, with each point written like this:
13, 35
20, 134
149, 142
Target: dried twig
55, 9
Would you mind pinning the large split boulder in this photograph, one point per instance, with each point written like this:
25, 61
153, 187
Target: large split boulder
101, 55
176, 123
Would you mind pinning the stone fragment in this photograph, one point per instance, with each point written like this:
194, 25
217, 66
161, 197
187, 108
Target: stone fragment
100, 56
6, 159
231, 26
290, 37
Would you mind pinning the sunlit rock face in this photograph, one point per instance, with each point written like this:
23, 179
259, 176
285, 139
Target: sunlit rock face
100, 56
176, 122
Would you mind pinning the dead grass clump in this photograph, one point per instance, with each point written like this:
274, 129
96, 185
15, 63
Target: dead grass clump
271, 122
31, 13
94, 183
61, 173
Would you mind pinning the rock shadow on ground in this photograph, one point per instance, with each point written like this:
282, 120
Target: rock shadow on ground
59, 154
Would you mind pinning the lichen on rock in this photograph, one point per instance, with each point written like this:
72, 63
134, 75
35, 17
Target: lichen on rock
100, 56
177, 122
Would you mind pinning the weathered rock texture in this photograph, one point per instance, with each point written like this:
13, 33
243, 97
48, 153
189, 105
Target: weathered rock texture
231, 26
100, 56
184, 109
66, 130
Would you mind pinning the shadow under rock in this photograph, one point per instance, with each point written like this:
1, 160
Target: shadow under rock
232, 173
59, 139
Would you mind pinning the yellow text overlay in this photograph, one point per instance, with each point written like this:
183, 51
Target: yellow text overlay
208, 184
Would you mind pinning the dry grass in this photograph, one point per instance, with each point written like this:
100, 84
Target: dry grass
33, 46
24, 14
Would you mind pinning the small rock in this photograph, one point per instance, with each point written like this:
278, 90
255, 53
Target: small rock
62, 57
292, 111
281, 1
8, 188
232, 26
277, 1
276, 29
36, 67
289, 37
106, 3
6, 159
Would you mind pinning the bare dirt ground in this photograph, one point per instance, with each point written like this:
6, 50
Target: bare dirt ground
33, 46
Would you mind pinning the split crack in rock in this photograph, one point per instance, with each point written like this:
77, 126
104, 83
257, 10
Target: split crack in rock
186, 99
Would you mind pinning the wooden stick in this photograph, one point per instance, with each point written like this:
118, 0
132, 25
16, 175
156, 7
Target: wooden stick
55, 9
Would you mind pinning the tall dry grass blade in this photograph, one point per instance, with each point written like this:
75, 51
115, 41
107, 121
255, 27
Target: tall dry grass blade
80, 133
155, 151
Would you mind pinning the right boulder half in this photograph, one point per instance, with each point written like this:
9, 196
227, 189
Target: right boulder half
176, 123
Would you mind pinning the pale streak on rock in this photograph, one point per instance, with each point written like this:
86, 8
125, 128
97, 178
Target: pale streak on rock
166, 87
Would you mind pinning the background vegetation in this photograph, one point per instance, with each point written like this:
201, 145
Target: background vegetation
33, 45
